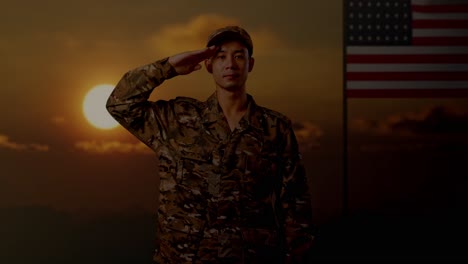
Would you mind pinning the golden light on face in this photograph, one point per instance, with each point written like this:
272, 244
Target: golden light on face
94, 107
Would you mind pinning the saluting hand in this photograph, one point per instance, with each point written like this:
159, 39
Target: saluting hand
187, 62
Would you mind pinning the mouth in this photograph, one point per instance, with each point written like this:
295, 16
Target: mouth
230, 76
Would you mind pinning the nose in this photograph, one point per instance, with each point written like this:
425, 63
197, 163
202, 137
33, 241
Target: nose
230, 62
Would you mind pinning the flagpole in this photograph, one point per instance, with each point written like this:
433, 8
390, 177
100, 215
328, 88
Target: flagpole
345, 119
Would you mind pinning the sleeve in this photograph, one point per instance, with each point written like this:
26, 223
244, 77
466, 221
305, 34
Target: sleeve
296, 203
128, 103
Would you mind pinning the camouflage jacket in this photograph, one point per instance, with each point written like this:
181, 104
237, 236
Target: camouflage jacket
225, 197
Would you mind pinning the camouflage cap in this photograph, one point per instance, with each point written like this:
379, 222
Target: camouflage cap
231, 33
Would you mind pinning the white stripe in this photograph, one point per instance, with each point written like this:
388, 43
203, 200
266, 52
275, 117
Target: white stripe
440, 16
368, 67
440, 32
406, 85
438, 2
395, 50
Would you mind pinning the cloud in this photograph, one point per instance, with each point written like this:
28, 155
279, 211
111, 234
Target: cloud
307, 134
175, 38
432, 120
105, 147
5, 142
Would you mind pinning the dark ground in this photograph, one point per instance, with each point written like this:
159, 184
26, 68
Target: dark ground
42, 235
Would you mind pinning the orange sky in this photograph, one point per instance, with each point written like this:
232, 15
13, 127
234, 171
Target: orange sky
53, 52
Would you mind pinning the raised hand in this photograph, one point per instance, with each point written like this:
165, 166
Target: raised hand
187, 62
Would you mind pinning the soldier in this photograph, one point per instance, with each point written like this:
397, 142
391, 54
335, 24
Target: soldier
232, 184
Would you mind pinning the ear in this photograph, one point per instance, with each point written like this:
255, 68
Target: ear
251, 63
208, 65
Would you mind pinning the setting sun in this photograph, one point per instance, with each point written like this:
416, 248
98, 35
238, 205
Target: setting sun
94, 107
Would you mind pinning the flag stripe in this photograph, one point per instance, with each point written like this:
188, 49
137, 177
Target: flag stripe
430, 32
440, 8
408, 58
402, 67
440, 24
438, 2
407, 93
441, 17
436, 41
381, 85
407, 76
428, 50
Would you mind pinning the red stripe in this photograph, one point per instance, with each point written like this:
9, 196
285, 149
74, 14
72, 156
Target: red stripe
407, 76
407, 93
440, 8
408, 58
429, 23
440, 41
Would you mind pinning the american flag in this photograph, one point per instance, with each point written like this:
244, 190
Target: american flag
406, 48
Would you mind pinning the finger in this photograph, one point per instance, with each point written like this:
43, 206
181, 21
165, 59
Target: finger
197, 67
205, 53
210, 51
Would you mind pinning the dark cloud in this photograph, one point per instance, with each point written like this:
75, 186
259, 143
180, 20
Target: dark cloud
174, 38
308, 134
434, 120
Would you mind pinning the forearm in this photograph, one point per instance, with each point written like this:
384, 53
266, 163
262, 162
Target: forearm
136, 86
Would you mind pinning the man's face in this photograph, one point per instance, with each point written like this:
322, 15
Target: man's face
231, 65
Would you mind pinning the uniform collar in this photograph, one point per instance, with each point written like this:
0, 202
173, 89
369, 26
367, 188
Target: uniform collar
253, 117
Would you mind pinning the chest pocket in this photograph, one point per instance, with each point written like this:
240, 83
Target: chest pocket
194, 168
261, 175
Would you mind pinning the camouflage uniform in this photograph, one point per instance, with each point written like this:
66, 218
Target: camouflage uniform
225, 197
